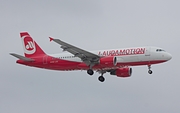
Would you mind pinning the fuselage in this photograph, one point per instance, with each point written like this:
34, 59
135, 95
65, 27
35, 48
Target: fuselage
134, 56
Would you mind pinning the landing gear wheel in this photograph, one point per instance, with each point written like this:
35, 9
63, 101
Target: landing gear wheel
90, 71
150, 72
101, 78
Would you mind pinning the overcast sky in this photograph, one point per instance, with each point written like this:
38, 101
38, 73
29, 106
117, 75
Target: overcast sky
93, 24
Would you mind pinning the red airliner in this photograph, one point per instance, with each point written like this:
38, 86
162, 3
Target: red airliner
115, 61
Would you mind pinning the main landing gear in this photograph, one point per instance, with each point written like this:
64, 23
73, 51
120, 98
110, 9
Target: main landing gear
90, 71
149, 69
101, 78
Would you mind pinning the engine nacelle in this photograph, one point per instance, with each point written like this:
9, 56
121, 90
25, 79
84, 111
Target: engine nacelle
108, 61
122, 72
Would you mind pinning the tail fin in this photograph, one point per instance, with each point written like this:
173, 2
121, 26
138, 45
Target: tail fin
31, 48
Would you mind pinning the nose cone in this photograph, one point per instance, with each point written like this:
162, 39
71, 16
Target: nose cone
168, 56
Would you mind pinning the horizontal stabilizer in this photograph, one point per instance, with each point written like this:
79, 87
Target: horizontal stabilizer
22, 57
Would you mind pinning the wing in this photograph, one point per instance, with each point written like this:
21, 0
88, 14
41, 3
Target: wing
87, 57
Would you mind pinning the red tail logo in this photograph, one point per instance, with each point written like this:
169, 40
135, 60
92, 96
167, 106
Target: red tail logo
28, 44
31, 48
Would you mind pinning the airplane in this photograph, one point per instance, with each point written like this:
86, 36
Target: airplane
117, 62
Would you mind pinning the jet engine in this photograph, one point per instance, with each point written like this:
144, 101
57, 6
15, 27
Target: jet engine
108, 61
122, 72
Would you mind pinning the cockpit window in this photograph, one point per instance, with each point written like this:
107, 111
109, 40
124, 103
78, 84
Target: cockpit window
158, 50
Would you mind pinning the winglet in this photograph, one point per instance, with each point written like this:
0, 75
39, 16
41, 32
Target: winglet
51, 39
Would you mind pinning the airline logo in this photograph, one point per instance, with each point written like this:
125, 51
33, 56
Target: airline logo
132, 51
28, 44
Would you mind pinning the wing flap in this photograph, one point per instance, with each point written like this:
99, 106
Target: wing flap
22, 57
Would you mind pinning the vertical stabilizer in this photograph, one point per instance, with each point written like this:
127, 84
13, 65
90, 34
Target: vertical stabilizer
31, 48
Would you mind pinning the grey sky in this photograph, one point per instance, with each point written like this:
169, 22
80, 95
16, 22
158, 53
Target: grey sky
95, 24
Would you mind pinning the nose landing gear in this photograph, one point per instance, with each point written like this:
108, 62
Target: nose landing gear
149, 69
